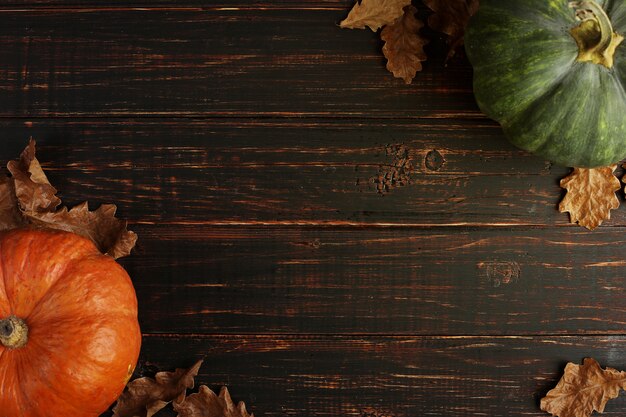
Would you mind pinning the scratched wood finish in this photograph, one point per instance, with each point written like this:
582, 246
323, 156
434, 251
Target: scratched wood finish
210, 62
340, 5
294, 171
469, 281
384, 376
331, 241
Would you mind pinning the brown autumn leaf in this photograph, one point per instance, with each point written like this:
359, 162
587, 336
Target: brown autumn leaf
10, 216
451, 17
207, 404
583, 389
28, 198
624, 177
590, 195
374, 14
101, 226
404, 47
34, 192
144, 397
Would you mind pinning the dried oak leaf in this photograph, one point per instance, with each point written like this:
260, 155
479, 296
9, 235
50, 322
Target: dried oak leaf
404, 47
624, 177
583, 389
144, 397
101, 226
10, 216
28, 198
590, 195
451, 17
34, 192
374, 14
207, 404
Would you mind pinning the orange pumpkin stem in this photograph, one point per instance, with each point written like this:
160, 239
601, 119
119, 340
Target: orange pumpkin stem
13, 332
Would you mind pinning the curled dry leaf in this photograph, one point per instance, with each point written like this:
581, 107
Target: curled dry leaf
374, 14
590, 195
583, 389
101, 226
451, 17
207, 404
32, 188
10, 216
404, 47
623, 180
28, 198
144, 397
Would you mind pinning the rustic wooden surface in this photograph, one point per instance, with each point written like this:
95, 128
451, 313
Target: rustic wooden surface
331, 241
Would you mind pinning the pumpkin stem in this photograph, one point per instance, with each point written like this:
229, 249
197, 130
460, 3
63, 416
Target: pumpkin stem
594, 35
13, 332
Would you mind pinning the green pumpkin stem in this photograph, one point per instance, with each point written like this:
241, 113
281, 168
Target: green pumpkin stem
594, 36
13, 332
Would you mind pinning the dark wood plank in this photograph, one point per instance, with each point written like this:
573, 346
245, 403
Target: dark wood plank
245, 171
343, 5
435, 281
212, 62
312, 227
387, 376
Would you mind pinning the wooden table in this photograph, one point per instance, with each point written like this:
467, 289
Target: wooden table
331, 241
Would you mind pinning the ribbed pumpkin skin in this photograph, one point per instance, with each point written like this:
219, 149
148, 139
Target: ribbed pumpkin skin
81, 310
527, 78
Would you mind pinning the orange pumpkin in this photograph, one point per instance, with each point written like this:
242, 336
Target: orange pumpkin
68, 326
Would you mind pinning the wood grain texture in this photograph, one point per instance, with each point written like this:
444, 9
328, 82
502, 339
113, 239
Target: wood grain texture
318, 172
225, 62
434, 281
384, 376
340, 5
331, 241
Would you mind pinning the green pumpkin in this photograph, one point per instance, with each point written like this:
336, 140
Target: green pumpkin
553, 74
